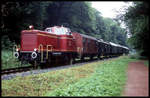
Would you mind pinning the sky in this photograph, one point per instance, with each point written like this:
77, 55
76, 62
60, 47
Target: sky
108, 8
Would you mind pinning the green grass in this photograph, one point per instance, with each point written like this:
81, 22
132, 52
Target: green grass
146, 63
8, 61
107, 80
104, 78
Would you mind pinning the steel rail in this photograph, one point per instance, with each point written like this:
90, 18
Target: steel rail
14, 70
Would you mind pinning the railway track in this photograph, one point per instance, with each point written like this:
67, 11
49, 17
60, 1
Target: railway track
14, 70
24, 71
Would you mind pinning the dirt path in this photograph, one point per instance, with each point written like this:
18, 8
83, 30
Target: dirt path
138, 80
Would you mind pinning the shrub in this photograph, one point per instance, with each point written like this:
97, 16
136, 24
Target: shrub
8, 61
6, 43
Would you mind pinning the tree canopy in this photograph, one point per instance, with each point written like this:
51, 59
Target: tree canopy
137, 21
78, 16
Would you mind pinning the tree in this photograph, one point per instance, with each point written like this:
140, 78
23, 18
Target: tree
78, 16
17, 16
137, 21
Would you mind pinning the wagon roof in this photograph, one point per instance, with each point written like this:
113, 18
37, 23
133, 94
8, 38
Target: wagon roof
118, 45
113, 44
125, 47
101, 40
86, 36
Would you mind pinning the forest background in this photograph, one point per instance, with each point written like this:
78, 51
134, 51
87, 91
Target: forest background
79, 17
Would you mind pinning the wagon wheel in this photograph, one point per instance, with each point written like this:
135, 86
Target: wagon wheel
102, 56
98, 56
81, 57
72, 61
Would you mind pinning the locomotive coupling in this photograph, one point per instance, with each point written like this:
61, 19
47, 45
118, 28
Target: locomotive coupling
16, 54
34, 55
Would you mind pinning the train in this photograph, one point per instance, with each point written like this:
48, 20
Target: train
59, 43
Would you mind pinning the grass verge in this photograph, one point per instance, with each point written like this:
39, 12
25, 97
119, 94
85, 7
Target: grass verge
8, 61
108, 80
104, 78
146, 63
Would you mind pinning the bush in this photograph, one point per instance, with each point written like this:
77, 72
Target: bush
8, 60
6, 43
137, 56
146, 63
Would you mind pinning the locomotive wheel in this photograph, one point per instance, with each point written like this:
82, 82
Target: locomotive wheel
49, 61
71, 61
82, 58
91, 57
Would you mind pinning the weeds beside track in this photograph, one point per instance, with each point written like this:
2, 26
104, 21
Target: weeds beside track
60, 82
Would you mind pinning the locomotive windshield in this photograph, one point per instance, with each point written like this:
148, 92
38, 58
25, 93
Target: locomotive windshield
59, 30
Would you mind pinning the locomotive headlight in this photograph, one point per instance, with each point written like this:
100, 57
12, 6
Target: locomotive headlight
31, 27
17, 49
16, 54
34, 55
35, 49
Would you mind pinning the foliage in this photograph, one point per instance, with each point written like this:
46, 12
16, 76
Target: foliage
7, 57
6, 43
137, 21
137, 56
78, 16
17, 16
146, 63
9, 61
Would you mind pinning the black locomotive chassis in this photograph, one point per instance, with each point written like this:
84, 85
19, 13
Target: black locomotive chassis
52, 56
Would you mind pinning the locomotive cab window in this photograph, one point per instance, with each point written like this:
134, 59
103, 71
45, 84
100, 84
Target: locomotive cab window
59, 31
66, 31
62, 31
49, 30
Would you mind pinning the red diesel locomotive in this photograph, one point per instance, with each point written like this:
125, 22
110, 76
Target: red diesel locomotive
59, 43
53, 44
